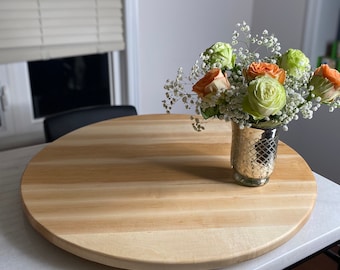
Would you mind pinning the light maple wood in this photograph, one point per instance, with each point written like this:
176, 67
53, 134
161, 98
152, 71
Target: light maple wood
148, 192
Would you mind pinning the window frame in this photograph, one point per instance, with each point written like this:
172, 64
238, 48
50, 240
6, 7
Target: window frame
18, 118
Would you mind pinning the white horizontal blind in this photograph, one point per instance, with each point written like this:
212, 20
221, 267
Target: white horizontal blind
45, 29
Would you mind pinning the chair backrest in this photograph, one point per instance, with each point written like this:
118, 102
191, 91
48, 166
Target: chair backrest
60, 124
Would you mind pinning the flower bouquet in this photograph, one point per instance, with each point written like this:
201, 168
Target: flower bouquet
233, 82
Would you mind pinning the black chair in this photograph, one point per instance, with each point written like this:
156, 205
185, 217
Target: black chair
60, 124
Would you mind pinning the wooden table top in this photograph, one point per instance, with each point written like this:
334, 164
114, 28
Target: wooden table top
148, 192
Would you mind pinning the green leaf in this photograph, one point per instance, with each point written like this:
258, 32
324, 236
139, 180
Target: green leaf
210, 112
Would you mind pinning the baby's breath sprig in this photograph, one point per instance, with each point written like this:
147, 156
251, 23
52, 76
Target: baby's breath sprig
223, 83
175, 91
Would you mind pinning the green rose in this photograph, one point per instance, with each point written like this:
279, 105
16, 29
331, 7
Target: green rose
324, 89
294, 62
266, 96
221, 54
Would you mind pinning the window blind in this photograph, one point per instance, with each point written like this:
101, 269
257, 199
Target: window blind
45, 29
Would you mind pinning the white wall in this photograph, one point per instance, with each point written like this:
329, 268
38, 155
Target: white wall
285, 19
173, 33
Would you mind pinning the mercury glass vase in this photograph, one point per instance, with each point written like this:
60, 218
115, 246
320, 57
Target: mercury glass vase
253, 154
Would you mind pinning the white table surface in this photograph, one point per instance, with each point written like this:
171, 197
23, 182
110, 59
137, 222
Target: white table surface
21, 247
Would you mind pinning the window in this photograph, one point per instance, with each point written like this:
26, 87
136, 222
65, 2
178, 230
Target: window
20, 124
67, 83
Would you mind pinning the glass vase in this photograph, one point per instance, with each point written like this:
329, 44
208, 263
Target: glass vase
253, 154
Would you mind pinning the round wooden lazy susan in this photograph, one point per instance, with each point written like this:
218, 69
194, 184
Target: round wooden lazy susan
148, 192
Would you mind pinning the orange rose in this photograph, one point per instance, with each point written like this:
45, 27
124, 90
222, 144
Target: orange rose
326, 83
330, 74
261, 69
211, 83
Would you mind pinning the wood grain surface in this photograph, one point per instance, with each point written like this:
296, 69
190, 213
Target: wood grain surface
148, 192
